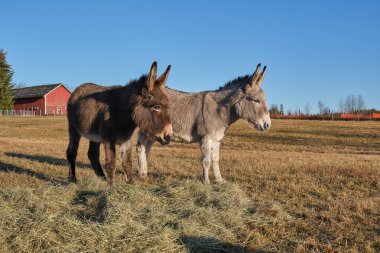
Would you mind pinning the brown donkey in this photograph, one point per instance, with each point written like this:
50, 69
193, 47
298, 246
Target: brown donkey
109, 115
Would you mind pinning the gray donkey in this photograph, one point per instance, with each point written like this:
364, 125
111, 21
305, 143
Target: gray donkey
205, 117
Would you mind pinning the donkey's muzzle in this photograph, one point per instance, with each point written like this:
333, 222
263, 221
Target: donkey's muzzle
262, 126
166, 135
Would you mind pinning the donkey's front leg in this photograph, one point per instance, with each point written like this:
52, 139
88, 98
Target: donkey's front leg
126, 160
143, 147
110, 161
215, 162
205, 159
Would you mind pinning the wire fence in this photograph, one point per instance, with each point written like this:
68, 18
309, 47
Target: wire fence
30, 113
22, 113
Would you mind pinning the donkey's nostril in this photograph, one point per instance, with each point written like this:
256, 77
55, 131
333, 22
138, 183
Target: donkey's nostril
266, 125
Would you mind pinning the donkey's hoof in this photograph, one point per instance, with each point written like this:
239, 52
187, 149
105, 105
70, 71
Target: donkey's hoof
129, 180
221, 181
205, 181
142, 174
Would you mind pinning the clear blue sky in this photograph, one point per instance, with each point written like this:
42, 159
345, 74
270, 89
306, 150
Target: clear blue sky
314, 50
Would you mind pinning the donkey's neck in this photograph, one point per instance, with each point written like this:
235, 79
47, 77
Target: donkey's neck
225, 109
223, 97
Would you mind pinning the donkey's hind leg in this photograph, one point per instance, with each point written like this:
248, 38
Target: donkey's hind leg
126, 160
71, 153
93, 156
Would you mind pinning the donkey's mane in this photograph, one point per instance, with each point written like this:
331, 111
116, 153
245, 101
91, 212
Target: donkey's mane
138, 81
237, 82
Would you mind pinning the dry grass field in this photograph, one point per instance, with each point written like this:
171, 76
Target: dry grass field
304, 186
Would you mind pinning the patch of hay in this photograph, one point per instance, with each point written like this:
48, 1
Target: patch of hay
91, 217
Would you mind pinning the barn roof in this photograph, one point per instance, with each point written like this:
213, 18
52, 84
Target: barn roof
34, 91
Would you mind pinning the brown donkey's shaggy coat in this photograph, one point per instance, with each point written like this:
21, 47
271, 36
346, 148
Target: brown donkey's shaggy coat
109, 115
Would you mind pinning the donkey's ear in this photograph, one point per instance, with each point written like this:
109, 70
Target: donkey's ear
161, 81
257, 78
255, 75
261, 77
152, 77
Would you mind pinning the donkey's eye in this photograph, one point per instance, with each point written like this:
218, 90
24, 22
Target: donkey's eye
253, 99
156, 108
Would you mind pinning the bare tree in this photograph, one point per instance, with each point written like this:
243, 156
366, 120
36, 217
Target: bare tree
321, 105
347, 105
341, 105
350, 104
360, 103
307, 109
297, 111
354, 103
326, 110
19, 85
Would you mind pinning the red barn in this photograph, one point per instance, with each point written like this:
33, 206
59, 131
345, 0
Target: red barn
43, 99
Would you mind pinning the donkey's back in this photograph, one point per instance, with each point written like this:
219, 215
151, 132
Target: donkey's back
92, 110
186, 113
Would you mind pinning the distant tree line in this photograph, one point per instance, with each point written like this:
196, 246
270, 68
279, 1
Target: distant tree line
275, 109
351, 104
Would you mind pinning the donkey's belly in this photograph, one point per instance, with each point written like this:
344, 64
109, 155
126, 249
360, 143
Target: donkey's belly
92, 137
97, 138
182, 138
180, 134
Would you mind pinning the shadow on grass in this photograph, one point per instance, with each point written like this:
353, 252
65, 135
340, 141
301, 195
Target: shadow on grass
91, 206
208, 244
45, 159
7, 167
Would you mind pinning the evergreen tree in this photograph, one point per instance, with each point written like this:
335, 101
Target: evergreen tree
6, 73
